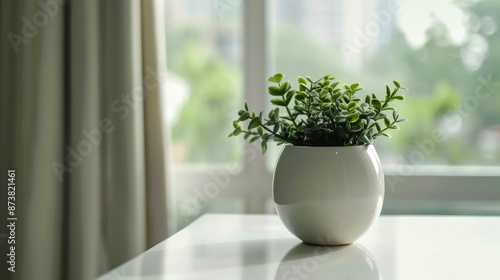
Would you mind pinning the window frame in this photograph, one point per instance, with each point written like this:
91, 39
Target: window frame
424, 190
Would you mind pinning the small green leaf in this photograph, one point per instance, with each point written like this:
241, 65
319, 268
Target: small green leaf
388, 109
376, 104
278, 102
278, 77
272, 79
264, 146
395, 114
351, 106
387, 122
300, 96
399, 97
302, 87
356, 128
246, 106
337, 95
323, 94
402, 120
368, 99
270, 115
394, 126
387, 91
340, 119
301, 80
285, 87
385, 134
260, 131
254, 123
347, 142
289, 97
240, 112
352, 118
237, 131
354, 86
253, 139
245, 116
396, 83
275, 91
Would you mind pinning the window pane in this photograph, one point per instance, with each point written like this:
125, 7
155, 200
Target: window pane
447, 54
204, 83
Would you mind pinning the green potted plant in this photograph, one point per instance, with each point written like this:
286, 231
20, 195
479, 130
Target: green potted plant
328, 184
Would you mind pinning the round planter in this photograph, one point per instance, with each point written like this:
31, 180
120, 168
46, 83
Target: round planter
328, 195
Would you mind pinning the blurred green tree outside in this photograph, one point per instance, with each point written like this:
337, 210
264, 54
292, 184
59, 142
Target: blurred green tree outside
204, 120
435, 73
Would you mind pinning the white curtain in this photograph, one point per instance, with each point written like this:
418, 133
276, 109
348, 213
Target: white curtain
81, 123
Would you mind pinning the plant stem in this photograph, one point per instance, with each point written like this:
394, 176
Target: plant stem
385, 103
290, 113
277, 135
288, 110
380, 132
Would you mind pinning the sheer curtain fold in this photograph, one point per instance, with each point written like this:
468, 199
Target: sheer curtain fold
157, 158
85, 134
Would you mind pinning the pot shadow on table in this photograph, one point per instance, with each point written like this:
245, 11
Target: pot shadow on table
306, 261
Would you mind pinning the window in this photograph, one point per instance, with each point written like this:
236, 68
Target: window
204, 57
444, 52
445, 159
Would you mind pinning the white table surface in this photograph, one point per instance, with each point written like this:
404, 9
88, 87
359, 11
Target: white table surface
259, 247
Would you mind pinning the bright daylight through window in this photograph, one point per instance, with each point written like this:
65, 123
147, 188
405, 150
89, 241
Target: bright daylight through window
447, 61
204, 84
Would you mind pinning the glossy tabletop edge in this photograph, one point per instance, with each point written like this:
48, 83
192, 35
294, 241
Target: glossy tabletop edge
234, 245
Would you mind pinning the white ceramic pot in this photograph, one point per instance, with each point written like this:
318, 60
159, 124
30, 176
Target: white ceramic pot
328, 195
